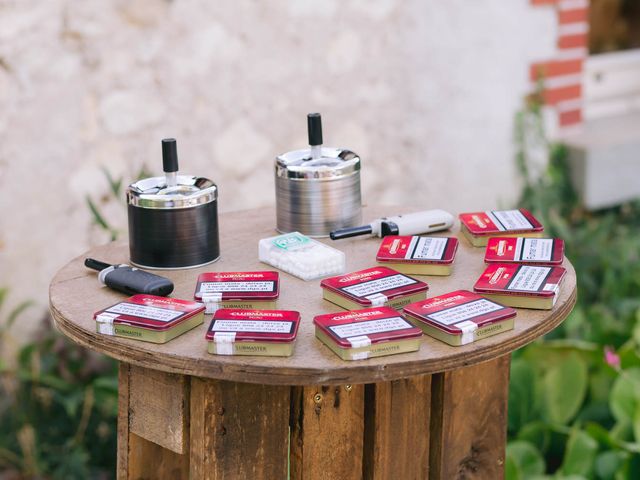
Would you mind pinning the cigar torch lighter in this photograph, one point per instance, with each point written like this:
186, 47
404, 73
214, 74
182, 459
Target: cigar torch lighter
407, 224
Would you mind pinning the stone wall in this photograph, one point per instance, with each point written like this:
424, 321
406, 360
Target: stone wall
424, 90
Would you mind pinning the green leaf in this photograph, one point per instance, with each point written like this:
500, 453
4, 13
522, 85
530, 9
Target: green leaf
636, 424
521, 393
629, 356
564, 389
99, 219
3, 295
17, 311
527, 458
622, 431
600, 385
549, 353
631, 469
580, 454
625, 395
636, 331
601, 435
608, 463
537, 433
106, 383
114, 185
511, 469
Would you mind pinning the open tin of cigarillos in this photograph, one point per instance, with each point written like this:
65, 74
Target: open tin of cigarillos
173, 219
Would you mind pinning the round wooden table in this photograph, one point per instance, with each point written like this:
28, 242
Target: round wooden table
440, 412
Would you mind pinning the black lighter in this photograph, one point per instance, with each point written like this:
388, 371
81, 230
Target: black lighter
130, 280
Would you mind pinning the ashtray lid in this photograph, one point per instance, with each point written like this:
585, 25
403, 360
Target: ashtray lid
189, 191
332, 163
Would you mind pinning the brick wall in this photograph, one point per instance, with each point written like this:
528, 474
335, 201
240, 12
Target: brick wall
562, 74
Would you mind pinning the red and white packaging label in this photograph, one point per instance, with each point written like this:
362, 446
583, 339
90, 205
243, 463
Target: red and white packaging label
500, 221
149, 311
416, 249
459, 312
254, 325
359, 328
144, 311
504, 278
545, 251
369, 286
238, 285
467, 311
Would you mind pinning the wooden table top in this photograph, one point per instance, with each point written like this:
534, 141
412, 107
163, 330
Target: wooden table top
75, 295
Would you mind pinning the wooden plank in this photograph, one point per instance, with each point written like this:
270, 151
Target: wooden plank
396, 440
159, 407
139, 458
123, 421
327, 432
149, 461
469, 421
238, 430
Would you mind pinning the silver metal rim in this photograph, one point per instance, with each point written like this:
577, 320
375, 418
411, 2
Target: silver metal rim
281, 172
148, 267
199, 196
298, 165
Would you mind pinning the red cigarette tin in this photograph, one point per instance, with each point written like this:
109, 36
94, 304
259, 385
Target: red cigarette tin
367, 333
418, 255
460, 317
149, 318
478, 226
252, 290
524, 286
373, 287
235, 331
536, 251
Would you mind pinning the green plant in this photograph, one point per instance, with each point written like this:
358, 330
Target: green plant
115, 194
58, 401
58, 408
574, 399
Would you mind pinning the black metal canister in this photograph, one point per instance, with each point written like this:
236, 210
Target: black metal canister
173, 220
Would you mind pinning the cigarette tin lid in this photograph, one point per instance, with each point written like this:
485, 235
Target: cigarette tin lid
359, 328
366, 286
494, 222
153, 192
541, 251
415, 249
280, 326
239, 285
150, 312
520, 280
332, 164
452, 311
